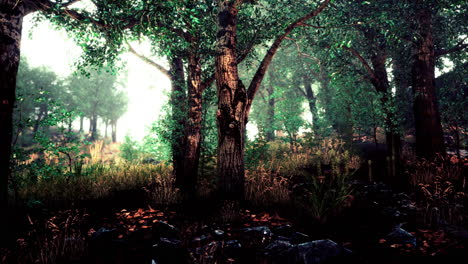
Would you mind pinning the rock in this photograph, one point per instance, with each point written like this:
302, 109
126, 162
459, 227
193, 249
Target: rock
400, 236
277, 248
200, 240
104, 234
233, 244
316, 252
232, 249
256, 236
283, 238
162, 229
258, 230
283, 230
278, 251
298, 238
218, 234
170, 251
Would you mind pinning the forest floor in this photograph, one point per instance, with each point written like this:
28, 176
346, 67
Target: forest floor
374, 223
381, 226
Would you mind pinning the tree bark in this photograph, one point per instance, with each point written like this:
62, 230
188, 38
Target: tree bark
270, 129
81, 123
11, 20
179, 115
382, 85
312, 101
114, 130
232, 99
429, 134
94, 128
193, 128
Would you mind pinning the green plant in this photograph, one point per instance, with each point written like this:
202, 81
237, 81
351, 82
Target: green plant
256, 151
129, 150
326, 194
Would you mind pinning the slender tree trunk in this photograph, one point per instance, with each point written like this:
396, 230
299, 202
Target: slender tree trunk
90, 124
270, 131
114, 130
312, 101
106, 126
70, 125
429, 134
193, 128
38, 121
94, 135
11, 20
81, 123
382, 85
232, 99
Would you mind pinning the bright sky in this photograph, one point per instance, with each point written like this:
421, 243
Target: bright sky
146, 87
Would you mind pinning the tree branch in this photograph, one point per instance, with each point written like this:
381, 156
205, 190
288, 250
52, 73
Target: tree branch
460, 46
359, 23
366, 65
260, 74
150, 62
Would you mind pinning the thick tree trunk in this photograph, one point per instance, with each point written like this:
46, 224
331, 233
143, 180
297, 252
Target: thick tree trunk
429, 134
192, 129
11, 20
232, 99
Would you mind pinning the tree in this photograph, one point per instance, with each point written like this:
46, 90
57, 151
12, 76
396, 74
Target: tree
234, 100
12, 13
99, 99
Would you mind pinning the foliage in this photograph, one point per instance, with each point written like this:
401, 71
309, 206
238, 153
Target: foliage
129, 149
256, 151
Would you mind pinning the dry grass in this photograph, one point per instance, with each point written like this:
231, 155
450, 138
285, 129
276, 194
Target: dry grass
265, 187
58, 240
99, 181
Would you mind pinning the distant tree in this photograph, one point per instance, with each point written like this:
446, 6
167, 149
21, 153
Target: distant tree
39, 90
99, 98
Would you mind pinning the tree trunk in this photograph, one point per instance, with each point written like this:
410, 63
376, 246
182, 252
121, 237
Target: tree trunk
11, 20
179, 115
382, 85
193, 128
429, 134
90, 124
270, 131
232, 99
81, 123
114, 130
94, 128
38, 121
70, 125
312, 102
106, 126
